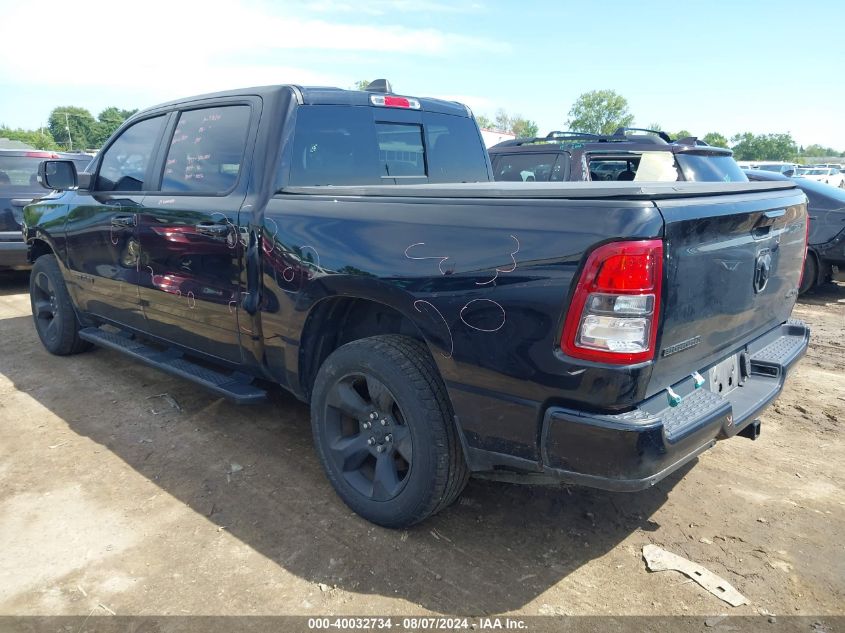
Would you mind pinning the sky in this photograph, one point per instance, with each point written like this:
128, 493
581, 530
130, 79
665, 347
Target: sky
723, 66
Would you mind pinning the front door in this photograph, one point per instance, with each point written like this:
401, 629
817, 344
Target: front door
103, 250
191, 251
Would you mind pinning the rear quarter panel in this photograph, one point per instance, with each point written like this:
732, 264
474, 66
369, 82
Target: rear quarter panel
486, 282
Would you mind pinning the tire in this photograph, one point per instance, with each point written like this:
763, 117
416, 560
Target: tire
383, 430
52, 309
810, 274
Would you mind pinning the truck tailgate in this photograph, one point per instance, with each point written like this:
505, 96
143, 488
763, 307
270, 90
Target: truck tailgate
732, 268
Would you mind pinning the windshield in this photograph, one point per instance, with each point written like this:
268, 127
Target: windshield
811, 172
710, 168
340, 145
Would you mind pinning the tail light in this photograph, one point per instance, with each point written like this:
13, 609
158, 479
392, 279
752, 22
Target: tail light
41, 155
806, 248
614, 311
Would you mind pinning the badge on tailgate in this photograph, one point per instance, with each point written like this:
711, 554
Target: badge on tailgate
762, 270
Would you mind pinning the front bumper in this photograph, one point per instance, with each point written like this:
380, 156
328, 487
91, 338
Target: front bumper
636, 449
13, 250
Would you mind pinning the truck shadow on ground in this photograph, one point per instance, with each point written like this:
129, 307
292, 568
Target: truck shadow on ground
13, 282
253, 470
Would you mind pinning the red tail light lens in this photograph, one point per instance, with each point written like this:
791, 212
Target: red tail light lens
614, 312
41, 155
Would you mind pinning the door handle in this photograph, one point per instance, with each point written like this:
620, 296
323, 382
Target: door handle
214, 230
123, 220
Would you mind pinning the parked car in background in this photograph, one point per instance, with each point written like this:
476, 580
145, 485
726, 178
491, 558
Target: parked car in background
18, 187
826, 251
827, 175
627, 155
838, 166
787, 169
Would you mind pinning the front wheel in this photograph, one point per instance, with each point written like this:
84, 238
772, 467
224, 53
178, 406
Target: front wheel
384, 433
52, 309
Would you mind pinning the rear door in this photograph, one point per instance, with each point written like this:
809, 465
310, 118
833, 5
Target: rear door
732, 267
18, 186
189, 280
103, 250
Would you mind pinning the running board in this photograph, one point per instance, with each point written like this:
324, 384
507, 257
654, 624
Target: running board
236, 386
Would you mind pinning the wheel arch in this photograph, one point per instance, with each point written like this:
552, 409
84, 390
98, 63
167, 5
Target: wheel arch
37, 247
341, 318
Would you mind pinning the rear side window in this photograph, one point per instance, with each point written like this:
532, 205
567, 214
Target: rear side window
207, 150
455, 150
532, 167
348, 145
125, 162
19, 173
709, 168
334, 145
644, 167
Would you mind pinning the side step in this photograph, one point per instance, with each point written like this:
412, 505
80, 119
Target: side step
236, 386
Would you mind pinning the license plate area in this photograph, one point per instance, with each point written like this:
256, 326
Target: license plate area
724, 377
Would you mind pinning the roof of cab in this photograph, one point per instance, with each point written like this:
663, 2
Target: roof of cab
317, 95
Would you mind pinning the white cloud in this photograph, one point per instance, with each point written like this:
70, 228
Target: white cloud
197, 46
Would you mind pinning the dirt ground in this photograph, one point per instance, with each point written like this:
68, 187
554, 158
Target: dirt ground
112, 496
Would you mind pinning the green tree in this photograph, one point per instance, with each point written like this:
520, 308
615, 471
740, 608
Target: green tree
599, 112
523, 128
484, 121
748, 146
107, 122
715, 139
513, 124
819, 151
72, 127
680, 134
39, 139
361, 84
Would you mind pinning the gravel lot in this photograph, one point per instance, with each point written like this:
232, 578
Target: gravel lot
113, 496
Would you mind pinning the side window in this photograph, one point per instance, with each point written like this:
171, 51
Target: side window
533, 167
124, 164
456, 153
206, 150
334, 145
602, 168
400, 150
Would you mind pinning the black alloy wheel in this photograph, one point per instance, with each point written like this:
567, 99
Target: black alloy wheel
367, 436
384, 430
52, 309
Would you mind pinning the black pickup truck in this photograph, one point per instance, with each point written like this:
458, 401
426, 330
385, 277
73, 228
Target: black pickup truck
601, 334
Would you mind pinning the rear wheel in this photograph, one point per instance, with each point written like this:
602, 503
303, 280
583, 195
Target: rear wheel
810, 274
383, 430
52, 309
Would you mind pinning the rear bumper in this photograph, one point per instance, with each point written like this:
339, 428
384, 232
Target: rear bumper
634, 450
13, 250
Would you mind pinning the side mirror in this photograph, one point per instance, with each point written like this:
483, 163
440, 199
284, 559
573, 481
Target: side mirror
788, 173
57, 174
